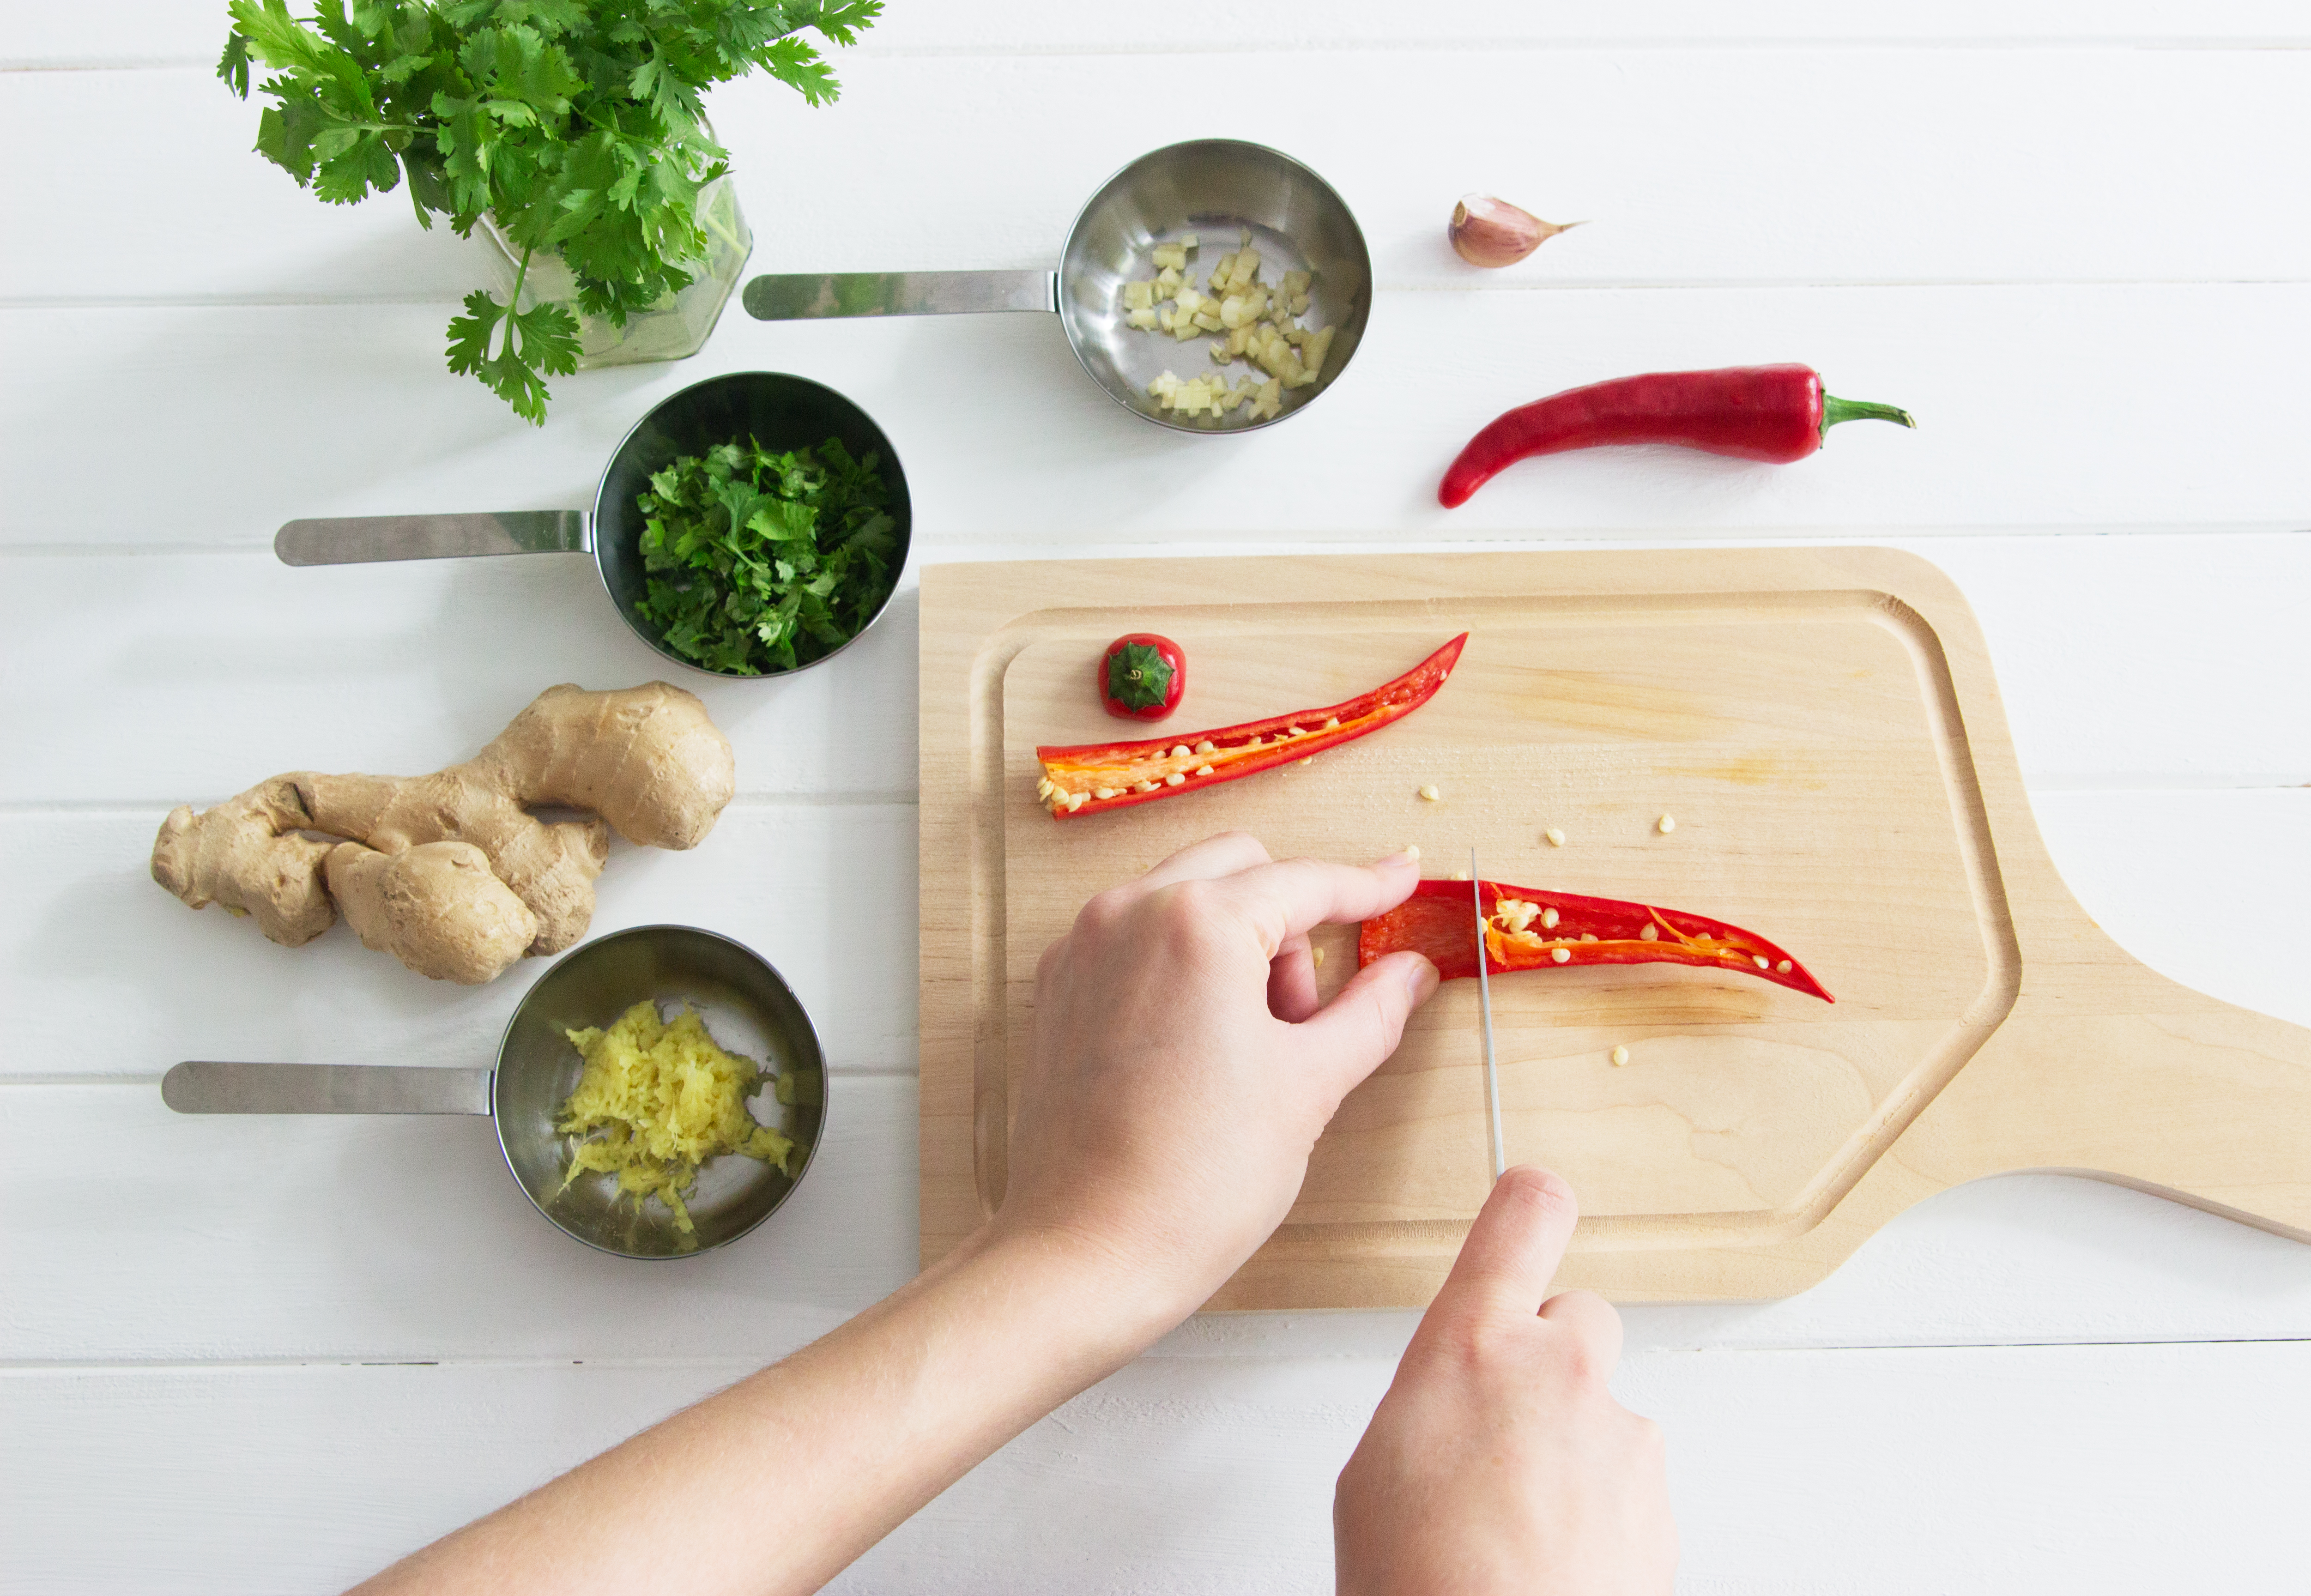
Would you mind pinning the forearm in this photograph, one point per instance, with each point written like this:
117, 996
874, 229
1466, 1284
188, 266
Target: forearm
777, 1483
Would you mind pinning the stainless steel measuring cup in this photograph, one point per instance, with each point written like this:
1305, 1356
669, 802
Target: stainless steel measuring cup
1215, 187
748, 1008
782, 412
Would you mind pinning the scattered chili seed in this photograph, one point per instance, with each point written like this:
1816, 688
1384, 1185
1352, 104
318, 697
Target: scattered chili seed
1668, 824
1555, 838
1620, 1056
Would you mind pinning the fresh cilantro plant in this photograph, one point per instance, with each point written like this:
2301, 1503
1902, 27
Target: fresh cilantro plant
760, 561
575, 124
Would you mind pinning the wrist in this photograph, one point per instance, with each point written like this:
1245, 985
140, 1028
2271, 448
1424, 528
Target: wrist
1107, 1297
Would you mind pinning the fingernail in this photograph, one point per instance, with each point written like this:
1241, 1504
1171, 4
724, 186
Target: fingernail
1403, 856
1421, 979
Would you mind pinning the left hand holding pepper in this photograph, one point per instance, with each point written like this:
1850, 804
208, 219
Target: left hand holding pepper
1182, 1067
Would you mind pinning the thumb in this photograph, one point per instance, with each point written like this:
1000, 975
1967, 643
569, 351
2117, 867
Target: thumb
1353, 1035
1513, 1249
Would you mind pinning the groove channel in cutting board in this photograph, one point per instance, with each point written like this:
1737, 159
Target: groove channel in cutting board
1796, 748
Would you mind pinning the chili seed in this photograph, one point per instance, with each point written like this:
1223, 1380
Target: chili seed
1620, 1057
1561, 954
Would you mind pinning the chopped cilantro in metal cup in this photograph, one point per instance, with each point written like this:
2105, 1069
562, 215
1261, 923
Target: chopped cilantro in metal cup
761, 561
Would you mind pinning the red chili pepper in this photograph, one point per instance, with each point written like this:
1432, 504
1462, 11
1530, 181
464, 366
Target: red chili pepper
1526, 929
1754, 413
1091, 777
1142, 676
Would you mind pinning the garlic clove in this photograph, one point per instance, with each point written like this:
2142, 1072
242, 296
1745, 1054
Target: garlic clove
1492, 233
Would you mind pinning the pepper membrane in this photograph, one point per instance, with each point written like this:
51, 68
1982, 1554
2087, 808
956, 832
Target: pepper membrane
1085, 778
1527, 928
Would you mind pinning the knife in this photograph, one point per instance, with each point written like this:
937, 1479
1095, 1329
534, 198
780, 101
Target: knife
1485, 1006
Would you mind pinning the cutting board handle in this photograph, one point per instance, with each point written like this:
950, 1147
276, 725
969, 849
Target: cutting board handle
2107, 1069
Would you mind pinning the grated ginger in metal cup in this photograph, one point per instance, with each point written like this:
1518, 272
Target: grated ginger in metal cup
658, 1099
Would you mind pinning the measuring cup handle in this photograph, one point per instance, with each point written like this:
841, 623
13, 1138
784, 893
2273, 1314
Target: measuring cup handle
204, 1087
363, 539
899, 294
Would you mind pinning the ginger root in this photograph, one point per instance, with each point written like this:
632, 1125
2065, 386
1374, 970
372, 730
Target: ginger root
450, 872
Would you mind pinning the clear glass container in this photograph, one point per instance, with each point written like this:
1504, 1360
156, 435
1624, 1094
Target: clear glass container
675, 327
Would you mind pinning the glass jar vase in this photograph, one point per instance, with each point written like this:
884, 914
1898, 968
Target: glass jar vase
676, 325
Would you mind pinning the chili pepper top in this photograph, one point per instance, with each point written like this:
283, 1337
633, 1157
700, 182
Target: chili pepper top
1142, 676
1527, 928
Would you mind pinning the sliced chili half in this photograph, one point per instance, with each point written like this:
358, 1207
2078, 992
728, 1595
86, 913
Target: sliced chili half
1526, 929
1090, 778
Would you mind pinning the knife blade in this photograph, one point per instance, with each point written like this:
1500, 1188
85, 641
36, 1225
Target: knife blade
1484, 1006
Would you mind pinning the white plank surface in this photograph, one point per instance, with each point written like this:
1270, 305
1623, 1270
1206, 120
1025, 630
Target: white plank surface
2034, 413
269, 1354
409, 667
2116, 1469
2088, 165
171, 31
395, 1240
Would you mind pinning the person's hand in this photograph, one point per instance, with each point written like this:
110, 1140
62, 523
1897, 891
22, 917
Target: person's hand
1498, 1461
1182, 1067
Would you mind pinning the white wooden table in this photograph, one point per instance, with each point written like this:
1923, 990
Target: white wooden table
271, 1355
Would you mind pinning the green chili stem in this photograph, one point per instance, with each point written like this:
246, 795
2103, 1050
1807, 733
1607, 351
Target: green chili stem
1834, 410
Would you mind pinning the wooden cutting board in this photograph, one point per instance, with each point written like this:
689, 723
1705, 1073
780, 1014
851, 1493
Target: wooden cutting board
1822, 724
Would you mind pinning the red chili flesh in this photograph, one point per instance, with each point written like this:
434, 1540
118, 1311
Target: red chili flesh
1076, 777
1440, 919
1776, 413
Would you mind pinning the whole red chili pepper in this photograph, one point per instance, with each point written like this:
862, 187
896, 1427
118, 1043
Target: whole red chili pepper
1089, 777
1142, 676
1526, 929
1753, 413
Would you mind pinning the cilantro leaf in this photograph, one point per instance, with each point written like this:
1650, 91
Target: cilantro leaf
542, 338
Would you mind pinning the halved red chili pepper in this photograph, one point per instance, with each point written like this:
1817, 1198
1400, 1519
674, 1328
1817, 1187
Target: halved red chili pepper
1091, 777
1753, 413
1526, 929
